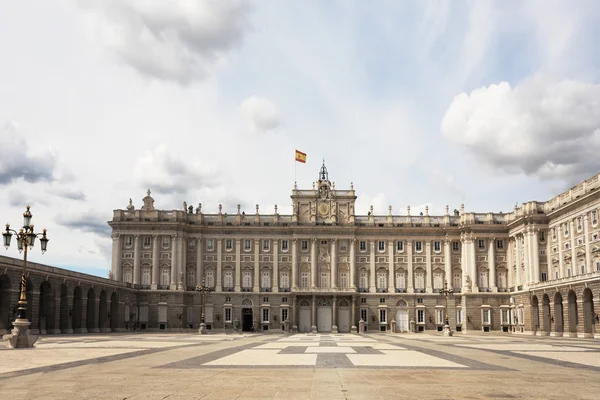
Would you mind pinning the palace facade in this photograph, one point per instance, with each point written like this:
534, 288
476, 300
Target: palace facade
324, 268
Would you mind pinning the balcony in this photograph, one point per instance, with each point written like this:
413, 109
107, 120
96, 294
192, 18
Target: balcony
382, 290
284, 290
362, 290
228, 289
267, 289
246, 289
163, 287
400, 290
143, 287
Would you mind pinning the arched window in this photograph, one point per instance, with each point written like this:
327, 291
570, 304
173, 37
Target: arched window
164, 277
456, 281
363, 280
284, 280
228, 279
438, 280
304, 280
210, 278
127, 275
324, 280
265, 279
247, 279
401, 280
146, 276
191, 277
343, 279
420, 279
483, 279
381, 280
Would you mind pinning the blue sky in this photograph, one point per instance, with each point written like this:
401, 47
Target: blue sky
418, 103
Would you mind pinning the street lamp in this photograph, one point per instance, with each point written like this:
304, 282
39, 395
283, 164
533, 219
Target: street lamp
447, 292
203, 289
20, 336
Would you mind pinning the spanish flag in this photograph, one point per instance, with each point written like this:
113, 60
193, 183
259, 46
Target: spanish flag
301, 157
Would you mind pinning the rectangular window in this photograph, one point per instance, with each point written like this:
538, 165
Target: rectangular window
486, 316
324, 280
284, 280
128, 241
266, 245
362, 245
567, 229
247, 279
500, 244
598, 266
210, 279
284, 299
265, 279
381, 245
481, 244
381, 280
166, 242
595, 237
455, 246
228, 315
304, 245
323, 241
284, 245
420, 316
284, 314
247, 244
554, 233
382, 300
265, 315
363, 280
228, 244
544, 277
344, 280
227, 299
228, 279
363, 314
579, 224
438, 280
594, 218
458, 316
505, 318
437, 246
147, 242
439, 316
210, 244
420, 280
304, 280
363, 300
400, 246
419, 300
382, 316
265, 299
418, 246
542, 236
343, 246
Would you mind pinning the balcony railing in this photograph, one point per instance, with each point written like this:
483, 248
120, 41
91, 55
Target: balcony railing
266, 289
246, 289
284, 290
398, 290
382, 290
163, 287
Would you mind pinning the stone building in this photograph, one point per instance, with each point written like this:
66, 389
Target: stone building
324, 268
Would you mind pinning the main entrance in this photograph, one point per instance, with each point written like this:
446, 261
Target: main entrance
402, 316
304, 324
324, 316
246, 319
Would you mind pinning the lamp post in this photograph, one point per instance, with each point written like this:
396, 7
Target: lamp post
447, 292
20, 336
203, 289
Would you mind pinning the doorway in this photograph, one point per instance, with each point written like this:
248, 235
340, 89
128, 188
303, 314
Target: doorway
402, 320
247, 319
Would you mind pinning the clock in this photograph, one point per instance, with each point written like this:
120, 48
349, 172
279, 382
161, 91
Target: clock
323, 208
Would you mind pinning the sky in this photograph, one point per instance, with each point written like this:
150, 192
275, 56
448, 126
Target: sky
418, 103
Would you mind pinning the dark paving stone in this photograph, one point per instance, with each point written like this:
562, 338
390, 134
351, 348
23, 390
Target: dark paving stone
196, 362
366, 350
293, 350
333, 361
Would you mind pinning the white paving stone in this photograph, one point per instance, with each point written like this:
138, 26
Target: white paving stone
590, 359
331, 350
521, 347
265, 357
284, 345
405, 358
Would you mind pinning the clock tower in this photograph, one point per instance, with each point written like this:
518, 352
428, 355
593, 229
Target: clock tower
323, 204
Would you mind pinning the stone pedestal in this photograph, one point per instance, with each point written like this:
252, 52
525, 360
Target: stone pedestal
294, 328
447, 331
393, 326
361, 327
20, 337
412, 326
202, 330
313, 329
286, 325
334, 329
354, 329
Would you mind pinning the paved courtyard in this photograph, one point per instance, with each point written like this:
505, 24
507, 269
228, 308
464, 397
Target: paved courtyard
302, 366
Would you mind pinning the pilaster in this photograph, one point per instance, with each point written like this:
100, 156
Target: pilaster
137, 258
372, 278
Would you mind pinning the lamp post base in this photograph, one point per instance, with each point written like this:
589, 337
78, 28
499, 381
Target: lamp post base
202, 330
20, 338
447, 331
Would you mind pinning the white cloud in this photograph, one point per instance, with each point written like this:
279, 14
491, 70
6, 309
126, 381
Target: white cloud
176, 40
541, 127
260, 114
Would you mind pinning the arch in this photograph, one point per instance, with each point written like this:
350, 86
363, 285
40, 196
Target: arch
344, 303
535, 314
588, 313
246, 303
91, 310
324, 303
77, 310
46, 307
102, 311
401, 303
64, 309
304, 303
558, 315
6, 316
573, 318
546, 314
114, 312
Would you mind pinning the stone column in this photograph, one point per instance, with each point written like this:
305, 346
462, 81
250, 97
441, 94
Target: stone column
183, 264
313, 263
473, 262
294, 318
509, 259
447, 262
536, 255
561, 261
334, 269
294, 278
256, 265
199, 269
353, 312
219, 276
334, 327
174, 262
492, 264
155, 263
428, 278
409, 256
352, 263
391, 266
137, 259
275, 280
549, 270
372, 278
588, 257
117, 275
238, 264
464, 262
573, 250
314, 314
518, 260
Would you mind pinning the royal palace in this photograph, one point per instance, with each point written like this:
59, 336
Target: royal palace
535, 270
